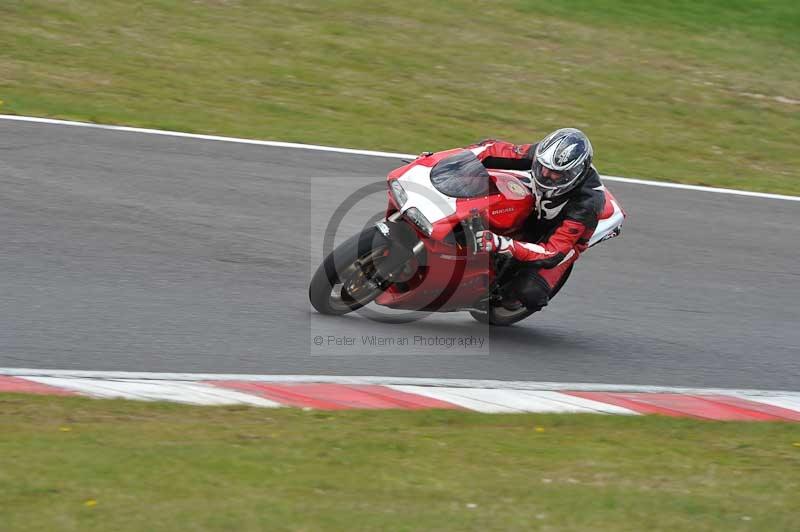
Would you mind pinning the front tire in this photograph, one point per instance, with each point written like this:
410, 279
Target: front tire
345, 281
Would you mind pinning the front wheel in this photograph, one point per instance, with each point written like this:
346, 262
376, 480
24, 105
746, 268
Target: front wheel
348, 278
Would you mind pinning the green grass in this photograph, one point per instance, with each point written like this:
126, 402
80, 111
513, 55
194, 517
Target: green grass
82, 464
702, 92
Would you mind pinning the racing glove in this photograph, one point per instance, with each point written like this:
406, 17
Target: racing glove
492, 243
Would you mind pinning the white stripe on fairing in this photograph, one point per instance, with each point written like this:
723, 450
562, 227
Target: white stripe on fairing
495, 401
477, 151
411, 381
431, 203
604, 227
370, 153
156, 390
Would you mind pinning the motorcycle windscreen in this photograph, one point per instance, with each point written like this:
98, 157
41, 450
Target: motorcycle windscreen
462, 176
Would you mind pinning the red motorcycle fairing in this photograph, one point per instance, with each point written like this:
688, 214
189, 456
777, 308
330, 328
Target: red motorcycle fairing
510, 213
452, 277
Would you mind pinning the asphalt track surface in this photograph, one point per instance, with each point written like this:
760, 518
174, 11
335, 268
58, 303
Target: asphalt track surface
133, 252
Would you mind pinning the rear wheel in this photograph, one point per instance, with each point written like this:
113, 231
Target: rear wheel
348, 278
502, 317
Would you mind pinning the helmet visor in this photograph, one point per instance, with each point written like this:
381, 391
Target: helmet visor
556, 180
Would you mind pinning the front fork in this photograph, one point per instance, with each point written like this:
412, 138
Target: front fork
405, 244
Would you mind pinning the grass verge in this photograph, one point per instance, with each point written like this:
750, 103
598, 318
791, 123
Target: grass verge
82, 464
700, 92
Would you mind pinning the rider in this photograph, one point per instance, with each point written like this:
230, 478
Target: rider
570, 198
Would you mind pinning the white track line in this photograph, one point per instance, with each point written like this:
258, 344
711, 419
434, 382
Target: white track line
370, 153
392, 381
275, 144
681, 186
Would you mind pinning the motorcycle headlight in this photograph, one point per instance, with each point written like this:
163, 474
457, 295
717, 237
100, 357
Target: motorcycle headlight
398, 193
419, 220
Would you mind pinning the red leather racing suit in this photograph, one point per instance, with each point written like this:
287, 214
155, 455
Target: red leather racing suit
559, 230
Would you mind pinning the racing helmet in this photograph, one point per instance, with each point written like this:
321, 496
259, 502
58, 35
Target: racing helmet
561, 162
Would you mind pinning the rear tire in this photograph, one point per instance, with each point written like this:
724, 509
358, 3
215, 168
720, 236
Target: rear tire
340, 274
500, 317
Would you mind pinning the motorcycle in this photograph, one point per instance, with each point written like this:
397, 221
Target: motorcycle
424, 257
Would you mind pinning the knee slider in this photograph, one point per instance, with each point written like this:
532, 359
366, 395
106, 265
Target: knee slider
534, 293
